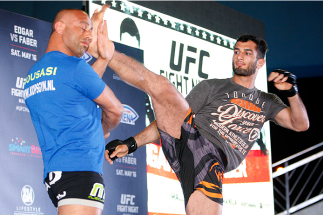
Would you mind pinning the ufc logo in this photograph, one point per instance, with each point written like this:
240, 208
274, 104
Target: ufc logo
127, 198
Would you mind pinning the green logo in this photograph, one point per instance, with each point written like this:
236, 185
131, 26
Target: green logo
97, 192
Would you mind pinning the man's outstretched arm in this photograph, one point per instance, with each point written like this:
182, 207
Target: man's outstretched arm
149, 135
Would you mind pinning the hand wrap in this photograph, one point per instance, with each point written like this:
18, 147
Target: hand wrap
130, 143
292, 80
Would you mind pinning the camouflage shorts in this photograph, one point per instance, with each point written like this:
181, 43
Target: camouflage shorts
198, 163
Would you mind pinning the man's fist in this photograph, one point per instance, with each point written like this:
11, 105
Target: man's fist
284, 81
130, 143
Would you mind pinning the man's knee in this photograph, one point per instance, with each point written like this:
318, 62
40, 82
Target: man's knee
161, 87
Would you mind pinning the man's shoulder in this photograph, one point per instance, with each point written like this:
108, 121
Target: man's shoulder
61, 57
268, 96
263, 93
216, 80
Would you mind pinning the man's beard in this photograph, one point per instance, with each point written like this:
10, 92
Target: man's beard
251, 69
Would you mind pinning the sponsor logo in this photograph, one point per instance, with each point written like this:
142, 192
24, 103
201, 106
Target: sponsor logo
53, 178
127, 204
18, 91
19, 147
129, 115
27, 195
59, 196
127, 199
87, 57
97, 192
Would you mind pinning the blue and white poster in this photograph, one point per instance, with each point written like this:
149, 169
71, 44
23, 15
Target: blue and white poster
24, 42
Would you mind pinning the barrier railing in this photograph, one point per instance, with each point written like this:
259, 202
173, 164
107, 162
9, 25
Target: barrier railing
299, 184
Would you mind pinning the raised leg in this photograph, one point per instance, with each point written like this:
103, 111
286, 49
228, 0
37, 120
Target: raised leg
169, 105
199, 204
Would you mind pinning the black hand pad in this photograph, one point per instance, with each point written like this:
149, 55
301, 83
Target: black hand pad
291, 79
130, 143
111, 146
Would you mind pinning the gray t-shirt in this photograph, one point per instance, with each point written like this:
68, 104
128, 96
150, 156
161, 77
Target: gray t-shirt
231, 116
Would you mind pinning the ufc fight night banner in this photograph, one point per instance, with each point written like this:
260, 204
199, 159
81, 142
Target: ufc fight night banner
186, 54
24, 41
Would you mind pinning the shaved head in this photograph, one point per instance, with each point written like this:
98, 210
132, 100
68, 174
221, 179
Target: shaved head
71, 32
65, 16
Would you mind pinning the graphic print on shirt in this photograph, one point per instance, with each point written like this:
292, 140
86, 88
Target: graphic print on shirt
42, 86
238, 120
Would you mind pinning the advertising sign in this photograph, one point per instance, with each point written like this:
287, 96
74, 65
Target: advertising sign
24, 42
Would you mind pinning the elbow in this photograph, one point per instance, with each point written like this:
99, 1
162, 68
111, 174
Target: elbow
303, 128
113, 115
120, 112
306, 127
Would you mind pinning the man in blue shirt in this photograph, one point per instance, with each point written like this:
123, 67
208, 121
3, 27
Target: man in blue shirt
72, 110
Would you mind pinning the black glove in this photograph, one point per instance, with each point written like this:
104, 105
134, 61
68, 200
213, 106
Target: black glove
130, 142
292, 80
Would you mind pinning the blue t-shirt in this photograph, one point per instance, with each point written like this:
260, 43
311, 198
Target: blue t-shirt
59, 93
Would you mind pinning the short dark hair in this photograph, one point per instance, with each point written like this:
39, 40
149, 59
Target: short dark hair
261, 44
129, 26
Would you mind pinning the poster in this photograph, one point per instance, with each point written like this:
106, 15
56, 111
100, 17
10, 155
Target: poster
24, 42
